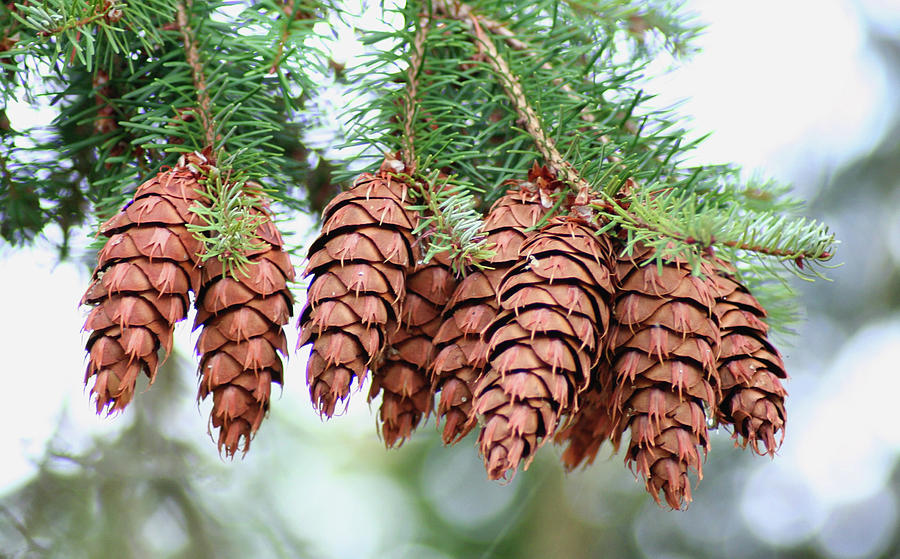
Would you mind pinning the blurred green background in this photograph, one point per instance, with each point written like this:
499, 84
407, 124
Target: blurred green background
150, 484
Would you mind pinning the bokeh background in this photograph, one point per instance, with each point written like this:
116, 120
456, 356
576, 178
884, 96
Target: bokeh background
804, 91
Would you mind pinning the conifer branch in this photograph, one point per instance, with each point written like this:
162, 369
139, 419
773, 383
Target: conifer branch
684, 212
464, 10
696, 231
516, 94
517, 44
514, 43
191, 50
417, 56
285, 33
797, 255
449, 220
290, 12
107, 9
497, 28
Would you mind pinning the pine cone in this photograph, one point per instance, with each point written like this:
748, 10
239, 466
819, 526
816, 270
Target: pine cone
751, 370
358, 265
403, 373
242, 316
544, 343
461, 351
663, 352
591, 425
141, 283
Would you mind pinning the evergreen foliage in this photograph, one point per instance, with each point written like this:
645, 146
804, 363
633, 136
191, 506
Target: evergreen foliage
133, 85
458, 102
471, 94
93, 504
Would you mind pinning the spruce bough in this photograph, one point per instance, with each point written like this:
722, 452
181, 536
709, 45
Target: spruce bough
523, 251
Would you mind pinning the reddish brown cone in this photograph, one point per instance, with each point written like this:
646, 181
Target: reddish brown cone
141, 283
358, 265
402, 375
241, 316
461, 351
663, 351
751, 370
544, 343
591, 425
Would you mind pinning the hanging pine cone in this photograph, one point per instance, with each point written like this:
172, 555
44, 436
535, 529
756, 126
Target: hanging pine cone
663, 353
141, 283
358, 265
241, 316
461, 349
592, 424
403, 372
544, 343
750, 369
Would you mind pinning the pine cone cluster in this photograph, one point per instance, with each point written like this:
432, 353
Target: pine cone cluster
146, 272
685, 350
563, 334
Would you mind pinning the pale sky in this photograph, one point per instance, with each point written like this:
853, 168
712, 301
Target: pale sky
777, 82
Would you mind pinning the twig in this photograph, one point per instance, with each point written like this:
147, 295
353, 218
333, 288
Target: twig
33, 545
289, 11
781, 253
432, 190
513, 87
416, 59
797, 257
106, 9
511, 84
510, 39
193, 58
465, 11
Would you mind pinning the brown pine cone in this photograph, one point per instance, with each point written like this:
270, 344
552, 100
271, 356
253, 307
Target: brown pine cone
544, 342
241, 315
461, 350
663, 350
591, 425
141, 283
751, 370
358, 265
403, 373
